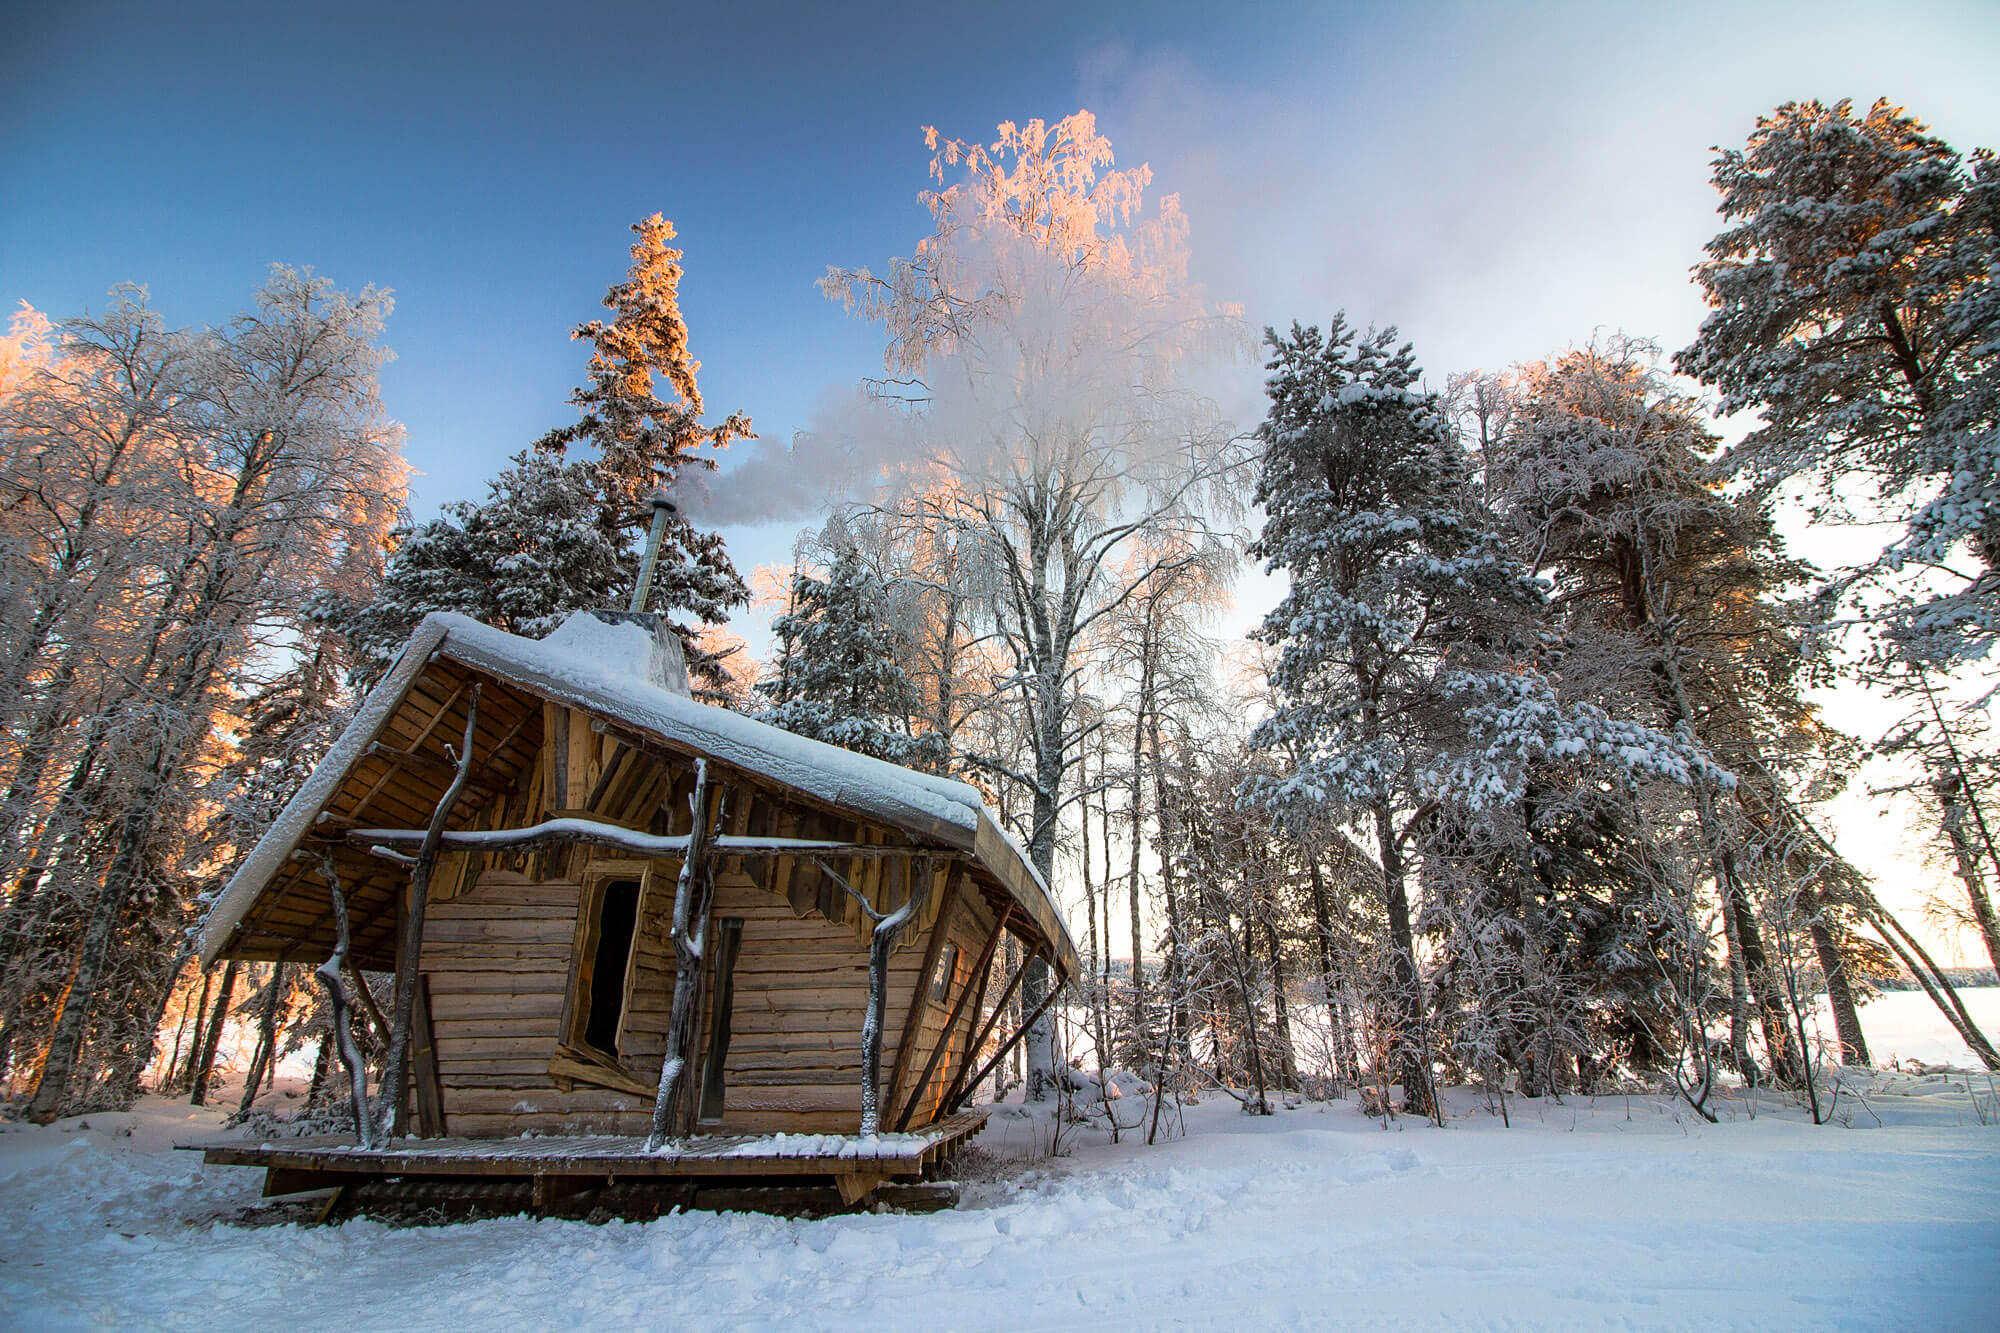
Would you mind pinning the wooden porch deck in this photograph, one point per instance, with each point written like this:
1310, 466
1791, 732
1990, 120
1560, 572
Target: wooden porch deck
561, 1164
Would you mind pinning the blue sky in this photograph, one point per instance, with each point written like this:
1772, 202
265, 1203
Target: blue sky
485, 161
1496, 179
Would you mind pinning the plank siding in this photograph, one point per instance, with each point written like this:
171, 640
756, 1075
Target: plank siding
498, 1023
500, 956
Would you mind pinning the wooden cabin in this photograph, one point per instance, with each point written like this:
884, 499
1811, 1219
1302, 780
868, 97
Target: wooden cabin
546, 969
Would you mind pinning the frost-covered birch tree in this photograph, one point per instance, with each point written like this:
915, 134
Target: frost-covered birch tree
275, 464
1041, 342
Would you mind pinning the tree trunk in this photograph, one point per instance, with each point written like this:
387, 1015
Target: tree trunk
1839, 994
1419, 1098
1936, 984
75, 1002
1288, 1064
1039, 1048
1950, 790
1094, 959
267, 1037
198, 1091
1346, 1062
1142, 711
176, 1075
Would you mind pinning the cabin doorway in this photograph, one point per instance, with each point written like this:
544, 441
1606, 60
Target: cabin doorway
611, 934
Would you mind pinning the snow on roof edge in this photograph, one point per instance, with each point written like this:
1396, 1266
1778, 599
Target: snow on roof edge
275, 848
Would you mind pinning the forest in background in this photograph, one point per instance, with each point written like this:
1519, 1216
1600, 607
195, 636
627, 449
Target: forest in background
1521, 786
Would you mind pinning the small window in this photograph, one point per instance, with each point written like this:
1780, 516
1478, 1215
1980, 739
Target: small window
611, 955
941, 983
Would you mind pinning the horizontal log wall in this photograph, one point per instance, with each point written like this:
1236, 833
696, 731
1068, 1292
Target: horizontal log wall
500, 958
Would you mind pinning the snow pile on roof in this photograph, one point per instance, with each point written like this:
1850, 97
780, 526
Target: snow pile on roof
622, 644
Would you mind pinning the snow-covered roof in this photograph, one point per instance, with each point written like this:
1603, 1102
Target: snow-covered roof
613, 668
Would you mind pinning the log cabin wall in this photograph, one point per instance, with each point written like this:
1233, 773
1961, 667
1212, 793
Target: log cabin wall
504, 937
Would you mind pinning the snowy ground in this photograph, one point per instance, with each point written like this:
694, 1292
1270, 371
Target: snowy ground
1584, 1214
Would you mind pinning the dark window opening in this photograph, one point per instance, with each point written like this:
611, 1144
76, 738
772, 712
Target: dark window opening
617, 917
947, 964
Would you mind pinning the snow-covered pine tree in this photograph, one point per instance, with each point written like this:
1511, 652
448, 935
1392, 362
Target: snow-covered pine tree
536, 549
1397, 592
1855, 308
644, 441
840, 677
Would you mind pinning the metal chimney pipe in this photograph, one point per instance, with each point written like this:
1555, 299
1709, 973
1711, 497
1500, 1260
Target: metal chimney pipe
662, 509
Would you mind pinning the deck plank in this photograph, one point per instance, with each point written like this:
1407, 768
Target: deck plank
608, 1155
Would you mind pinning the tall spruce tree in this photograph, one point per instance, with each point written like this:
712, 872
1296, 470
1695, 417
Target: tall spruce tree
559, 534
1391, 578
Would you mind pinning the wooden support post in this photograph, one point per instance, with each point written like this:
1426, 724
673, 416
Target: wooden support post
920, 998
971, 1052
430, 1088
973, 993
694, 891
549, 1191
722, 998
953, 1093
854, 1186
281, 1180
332, 1205
412, 939
881, 943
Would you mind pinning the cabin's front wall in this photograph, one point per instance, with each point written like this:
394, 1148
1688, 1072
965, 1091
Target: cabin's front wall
500, 963
501, 958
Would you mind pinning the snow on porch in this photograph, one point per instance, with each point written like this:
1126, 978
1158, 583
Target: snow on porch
611, 1155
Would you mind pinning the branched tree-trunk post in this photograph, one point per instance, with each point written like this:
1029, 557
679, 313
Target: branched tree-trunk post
394, 1066
673, 1106
329, 975
881, 943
